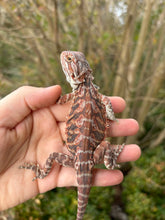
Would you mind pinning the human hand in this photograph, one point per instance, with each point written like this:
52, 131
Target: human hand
31, 127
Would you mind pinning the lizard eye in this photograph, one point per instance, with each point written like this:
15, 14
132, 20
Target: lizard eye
69, 58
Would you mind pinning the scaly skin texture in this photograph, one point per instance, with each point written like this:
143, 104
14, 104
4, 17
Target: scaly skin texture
90, 114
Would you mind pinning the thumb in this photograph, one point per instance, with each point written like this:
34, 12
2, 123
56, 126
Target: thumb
17, 105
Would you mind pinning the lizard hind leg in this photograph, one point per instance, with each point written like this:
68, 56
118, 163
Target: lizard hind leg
107, 153
62, 159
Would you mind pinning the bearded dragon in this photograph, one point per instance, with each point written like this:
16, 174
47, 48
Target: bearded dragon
90, 114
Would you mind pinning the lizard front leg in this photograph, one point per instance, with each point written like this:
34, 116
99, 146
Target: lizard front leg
107, 153
65, 98
108, 106
62, 159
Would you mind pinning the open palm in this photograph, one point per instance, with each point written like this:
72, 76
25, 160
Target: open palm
31, 127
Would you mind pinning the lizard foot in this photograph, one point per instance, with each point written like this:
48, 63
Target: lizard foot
40, 173
111, 156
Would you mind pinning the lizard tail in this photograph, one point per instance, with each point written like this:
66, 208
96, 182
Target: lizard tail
83, 195
84, 180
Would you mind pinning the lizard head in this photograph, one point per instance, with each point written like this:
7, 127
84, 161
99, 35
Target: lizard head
75, 67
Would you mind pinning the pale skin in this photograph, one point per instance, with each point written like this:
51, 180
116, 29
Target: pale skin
31, 127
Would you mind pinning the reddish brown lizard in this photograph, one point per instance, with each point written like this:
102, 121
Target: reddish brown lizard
90, 115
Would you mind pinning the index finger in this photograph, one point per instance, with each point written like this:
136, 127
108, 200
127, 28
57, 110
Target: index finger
118, 104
